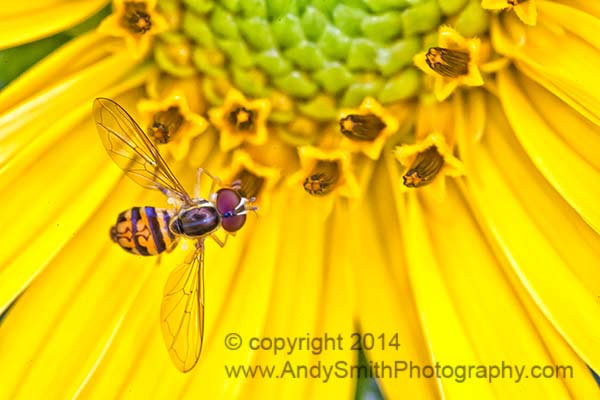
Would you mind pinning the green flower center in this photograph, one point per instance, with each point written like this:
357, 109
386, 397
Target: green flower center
311, 59
332, 53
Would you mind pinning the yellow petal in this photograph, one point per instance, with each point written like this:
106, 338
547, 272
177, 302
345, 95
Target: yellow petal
582, 135
22, 23
23, 123
71, 120
494, 4
490, 312
51, 354
527, 12
296, 299
442, 325
557, 161
48, 223
384, 300
575, 20
66, 61
520, 223
570, 73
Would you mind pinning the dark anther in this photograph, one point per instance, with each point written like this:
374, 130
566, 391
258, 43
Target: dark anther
361, 127
446, 62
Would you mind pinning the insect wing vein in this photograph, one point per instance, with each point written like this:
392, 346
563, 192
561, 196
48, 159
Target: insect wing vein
182, 311
132, 150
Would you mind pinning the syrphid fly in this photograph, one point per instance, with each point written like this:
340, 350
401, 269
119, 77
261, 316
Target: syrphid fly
151, 231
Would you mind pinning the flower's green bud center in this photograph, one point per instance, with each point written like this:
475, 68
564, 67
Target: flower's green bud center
343, 50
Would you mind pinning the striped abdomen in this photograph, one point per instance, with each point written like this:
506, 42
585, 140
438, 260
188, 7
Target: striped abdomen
144, 231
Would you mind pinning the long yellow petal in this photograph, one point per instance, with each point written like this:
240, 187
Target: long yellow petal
569, 73
575, 20
45, 224
22, 23
70, 120
78, 300
442, 325
555, 159
336, 310
582, 135
23, 123
295, 298
542, 266
385, 303
66, 61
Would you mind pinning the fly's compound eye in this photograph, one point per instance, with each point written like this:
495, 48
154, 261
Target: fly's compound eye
227, 201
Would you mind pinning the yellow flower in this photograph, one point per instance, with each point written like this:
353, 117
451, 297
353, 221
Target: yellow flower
325, 171
172, 122
239, 120
428, 162
136, 21
453, 62
356, 243
368, 127
525, 9
256, 180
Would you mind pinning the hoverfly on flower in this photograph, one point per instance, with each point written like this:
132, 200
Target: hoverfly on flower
150, 231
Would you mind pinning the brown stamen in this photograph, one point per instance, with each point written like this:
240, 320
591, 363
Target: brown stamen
249, 184
242, 118
515, 2
446, 62
364, 128
165, 124
426, 166
323, 179
136, 19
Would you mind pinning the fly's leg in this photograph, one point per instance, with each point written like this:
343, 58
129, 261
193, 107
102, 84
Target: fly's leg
214, 182
220, 242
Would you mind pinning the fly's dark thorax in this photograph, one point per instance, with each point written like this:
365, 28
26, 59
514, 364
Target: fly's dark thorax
195, 222
144, 231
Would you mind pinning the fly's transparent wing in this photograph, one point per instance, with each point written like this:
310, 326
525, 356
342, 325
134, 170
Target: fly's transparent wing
132, 150
182, 311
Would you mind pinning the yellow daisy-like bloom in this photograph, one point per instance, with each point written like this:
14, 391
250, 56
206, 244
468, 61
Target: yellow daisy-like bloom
171, 120
368, 127
428, 162
135, 21
452, 253
326, 171
239, 120
454, 62
257, 180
